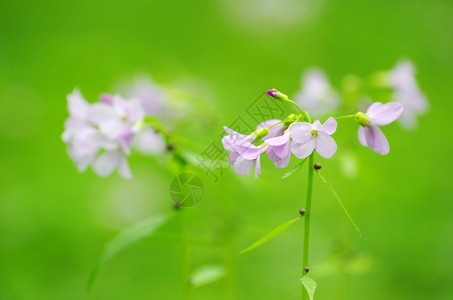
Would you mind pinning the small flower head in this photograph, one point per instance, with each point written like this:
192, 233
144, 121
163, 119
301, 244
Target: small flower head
377, 114
274, 94
308, 137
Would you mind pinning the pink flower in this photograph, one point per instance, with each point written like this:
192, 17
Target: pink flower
279, 150
407, 92
377, 114
308, 137
316, 95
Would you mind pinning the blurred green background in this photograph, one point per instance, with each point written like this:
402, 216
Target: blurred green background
54, 222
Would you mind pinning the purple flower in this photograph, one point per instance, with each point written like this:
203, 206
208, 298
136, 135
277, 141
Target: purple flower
377, 114
316, 95
308, 137
153, 98
279, 150
407, 92
272, 92
243, 154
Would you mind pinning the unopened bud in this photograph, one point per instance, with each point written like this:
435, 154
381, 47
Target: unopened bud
317, 166
362, 118
306, 269
274, 94
302, 211
260, 133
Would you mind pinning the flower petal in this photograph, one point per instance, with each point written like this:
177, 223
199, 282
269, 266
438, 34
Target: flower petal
329, 126
376, 140
106, 163
362, 136
325, 145
123, 168
249, 151
383, 114
279, 140
283, 163
233, 157
257, 168
243, 166
148, 141
300, 132
303, 150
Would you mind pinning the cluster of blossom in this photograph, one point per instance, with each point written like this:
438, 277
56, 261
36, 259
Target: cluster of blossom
299, 135
320, 98
101, 134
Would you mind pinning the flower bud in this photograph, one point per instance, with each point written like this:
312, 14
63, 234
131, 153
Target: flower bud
361, 118
260, 133
307, 269
106, 98
302, 211
317, 166
274, 94
291, 119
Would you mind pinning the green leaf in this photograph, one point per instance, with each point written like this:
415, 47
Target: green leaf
296, 168
126, 238
334, 193
310, 285
271, 234
205, 275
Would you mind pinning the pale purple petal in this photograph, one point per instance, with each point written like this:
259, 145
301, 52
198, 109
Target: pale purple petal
148, 141
329, 126
282, 150
249, 151
271, 154
131, 109
123, 168
106, 163
77, 105
99, 112
325, 145
303, 150
257, 168
362, 136
376, 140
233, 157
300, 132
279, 140
283, 163
316, 124
383, 114
243, 166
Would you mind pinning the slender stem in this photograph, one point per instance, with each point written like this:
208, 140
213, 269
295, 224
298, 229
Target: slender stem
307, 217
185, 257
345, 117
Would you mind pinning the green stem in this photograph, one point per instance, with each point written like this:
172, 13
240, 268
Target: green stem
307, 217
346, 117
185, 257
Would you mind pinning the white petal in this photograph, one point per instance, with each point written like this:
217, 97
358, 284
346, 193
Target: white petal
149, 141
243, 166
325, 145
383, 114
329, 126
106, 163
123, 168
300, 132
303, 150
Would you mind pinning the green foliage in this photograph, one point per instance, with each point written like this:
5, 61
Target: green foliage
271, 234
206, 274
310, 285
124, 239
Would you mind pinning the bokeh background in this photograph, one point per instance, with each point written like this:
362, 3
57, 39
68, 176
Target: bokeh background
54, 221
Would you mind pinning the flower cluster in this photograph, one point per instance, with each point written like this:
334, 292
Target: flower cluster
298, 134
101, 134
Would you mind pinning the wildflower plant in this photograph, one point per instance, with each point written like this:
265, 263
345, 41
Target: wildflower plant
303, 136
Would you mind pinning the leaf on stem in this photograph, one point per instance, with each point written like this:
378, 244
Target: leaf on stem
296, 168
271, 234
334, 193
310, 285
205, 275
126, 238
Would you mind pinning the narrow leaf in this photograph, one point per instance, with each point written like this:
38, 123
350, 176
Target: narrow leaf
310, 285
271, 234
296, 168
126, 238
334, 193
206, 274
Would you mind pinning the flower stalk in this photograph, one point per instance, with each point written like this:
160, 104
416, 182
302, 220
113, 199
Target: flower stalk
307, 221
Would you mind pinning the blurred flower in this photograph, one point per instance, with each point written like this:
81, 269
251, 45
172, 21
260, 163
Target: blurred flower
101, 134
308, 137
153, 98
407, 92
378, 114
316, 95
